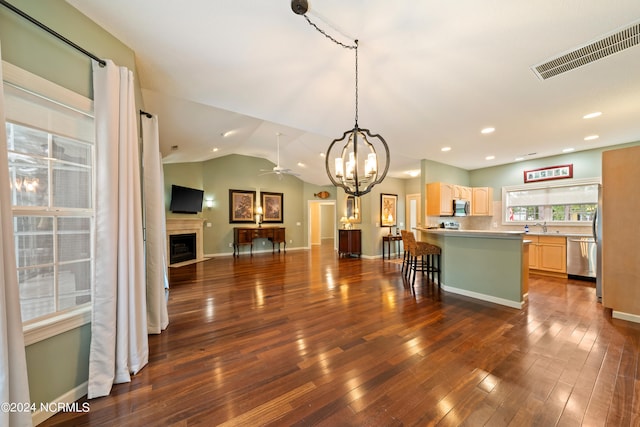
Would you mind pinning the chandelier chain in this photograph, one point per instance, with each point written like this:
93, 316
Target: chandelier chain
321, 31
356, 82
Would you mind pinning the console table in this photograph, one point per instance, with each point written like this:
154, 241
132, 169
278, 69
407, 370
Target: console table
386, 241
246, 235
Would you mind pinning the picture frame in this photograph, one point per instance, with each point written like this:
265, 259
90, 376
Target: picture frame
352, 209
548, 173
242, 205
272, 207
388, 210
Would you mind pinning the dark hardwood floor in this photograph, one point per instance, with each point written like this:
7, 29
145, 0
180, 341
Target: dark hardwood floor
307, 338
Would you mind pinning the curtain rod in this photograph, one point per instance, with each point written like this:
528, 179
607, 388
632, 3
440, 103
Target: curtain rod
146, 114
29, 18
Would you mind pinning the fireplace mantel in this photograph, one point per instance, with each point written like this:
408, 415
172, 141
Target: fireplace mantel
186, 226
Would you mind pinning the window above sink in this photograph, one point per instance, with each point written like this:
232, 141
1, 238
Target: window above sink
569, 203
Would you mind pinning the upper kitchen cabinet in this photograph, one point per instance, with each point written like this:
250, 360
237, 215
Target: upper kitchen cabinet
460, 192
481, 201
440, 199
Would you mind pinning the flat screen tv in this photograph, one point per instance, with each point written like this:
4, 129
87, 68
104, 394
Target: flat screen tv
186, 200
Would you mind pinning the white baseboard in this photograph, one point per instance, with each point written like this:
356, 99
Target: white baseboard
68, 398
484, 297
625, 316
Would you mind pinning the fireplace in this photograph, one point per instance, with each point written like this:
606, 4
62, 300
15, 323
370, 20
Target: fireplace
181, 226
182, 247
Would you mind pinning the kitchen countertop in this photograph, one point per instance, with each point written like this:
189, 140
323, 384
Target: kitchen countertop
500, 234
560, 234
491, 234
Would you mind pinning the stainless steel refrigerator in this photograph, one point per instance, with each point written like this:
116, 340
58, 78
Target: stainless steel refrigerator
597, 236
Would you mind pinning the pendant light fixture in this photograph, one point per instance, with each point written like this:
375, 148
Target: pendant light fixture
352, 161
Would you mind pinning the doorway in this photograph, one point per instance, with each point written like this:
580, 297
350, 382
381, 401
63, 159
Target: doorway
412, 211
322, 222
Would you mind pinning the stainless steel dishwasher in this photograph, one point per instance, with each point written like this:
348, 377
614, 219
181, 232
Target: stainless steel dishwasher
581, 257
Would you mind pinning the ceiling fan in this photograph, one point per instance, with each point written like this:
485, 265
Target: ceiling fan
277, 169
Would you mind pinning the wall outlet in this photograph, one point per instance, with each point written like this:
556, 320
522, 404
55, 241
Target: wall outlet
291, 241
263, 243
230, 245
208, 225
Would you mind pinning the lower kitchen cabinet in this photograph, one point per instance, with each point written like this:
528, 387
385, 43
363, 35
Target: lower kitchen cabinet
349, 242
548, 255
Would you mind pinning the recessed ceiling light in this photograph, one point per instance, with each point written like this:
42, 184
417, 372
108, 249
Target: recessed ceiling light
518, 159
490, 157
213, 150
488, 130
322, 154
568, 150
413, 173
592, 115
302, 165
445, 149
227, 133
591, 137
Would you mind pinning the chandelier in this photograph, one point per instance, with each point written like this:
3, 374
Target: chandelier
352, 161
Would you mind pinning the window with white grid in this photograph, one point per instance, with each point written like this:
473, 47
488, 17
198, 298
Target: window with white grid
51, 171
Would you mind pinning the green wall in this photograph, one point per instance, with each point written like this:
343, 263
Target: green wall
370, 211
60, 363
217, 176
586, 164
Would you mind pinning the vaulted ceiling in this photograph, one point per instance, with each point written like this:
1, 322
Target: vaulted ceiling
228, 75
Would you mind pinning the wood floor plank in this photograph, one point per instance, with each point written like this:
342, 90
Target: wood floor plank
309, 338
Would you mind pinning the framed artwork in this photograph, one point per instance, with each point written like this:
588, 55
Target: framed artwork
388, 210
544, 174
241, 206
272, 207
352, 211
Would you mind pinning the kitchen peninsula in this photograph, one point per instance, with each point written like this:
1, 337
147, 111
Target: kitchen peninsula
487, 265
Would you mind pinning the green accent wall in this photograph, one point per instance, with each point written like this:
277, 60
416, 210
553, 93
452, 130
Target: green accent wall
586, 164
235, 172
58, 364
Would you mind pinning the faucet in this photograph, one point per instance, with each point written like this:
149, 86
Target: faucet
543, 225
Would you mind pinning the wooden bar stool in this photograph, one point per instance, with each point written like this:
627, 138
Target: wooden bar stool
406, 245
428, 254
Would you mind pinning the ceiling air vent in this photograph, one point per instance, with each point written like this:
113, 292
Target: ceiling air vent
622, 39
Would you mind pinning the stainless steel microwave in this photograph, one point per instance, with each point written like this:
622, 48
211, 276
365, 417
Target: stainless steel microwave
461, 207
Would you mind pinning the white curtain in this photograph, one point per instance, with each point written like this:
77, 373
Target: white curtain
155, 227
13, 366
119, 345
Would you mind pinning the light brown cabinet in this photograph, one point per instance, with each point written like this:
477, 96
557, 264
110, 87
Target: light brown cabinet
439, 199
620, 230
482, 201
548, 255
460, 192
533, 252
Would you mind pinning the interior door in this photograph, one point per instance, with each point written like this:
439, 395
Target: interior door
412, 211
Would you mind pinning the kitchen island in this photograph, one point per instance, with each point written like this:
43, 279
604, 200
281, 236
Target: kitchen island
487, 265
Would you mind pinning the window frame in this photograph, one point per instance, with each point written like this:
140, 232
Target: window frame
547, 208
47, 326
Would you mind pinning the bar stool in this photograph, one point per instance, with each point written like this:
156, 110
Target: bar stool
406, 244
429, 258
